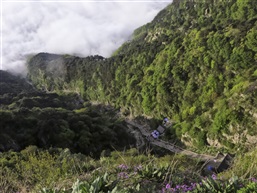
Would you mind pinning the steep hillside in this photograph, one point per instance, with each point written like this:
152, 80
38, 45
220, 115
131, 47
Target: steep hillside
195, 63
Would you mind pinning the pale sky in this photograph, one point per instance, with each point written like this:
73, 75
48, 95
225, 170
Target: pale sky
69, 27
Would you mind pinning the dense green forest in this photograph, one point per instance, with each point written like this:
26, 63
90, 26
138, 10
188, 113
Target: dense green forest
48, 120
64, 127
194, 63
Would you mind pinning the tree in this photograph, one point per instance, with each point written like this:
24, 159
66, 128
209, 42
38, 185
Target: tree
251, 39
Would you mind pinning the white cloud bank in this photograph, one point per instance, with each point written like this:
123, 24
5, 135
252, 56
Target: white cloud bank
80, 28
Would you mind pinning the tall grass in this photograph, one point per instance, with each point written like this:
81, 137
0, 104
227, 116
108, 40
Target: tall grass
244, 166
60, 171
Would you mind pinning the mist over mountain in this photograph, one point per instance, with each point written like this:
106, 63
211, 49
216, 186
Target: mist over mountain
79, 28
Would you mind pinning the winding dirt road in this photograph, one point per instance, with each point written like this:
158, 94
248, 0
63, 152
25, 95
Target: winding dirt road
163, 144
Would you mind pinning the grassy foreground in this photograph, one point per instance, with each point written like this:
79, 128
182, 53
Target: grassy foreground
60, 171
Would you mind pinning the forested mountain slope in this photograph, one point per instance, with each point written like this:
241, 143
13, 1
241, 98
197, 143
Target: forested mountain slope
195, 63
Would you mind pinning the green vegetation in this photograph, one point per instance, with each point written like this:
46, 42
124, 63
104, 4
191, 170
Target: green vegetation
87, 132
195, 62
30, 117
60, 171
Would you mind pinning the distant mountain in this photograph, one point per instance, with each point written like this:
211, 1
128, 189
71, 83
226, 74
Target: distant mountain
194, 63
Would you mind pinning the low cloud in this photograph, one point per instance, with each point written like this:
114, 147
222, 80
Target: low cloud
79, 28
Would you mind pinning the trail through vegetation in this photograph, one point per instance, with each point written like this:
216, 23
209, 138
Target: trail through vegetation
144, 130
